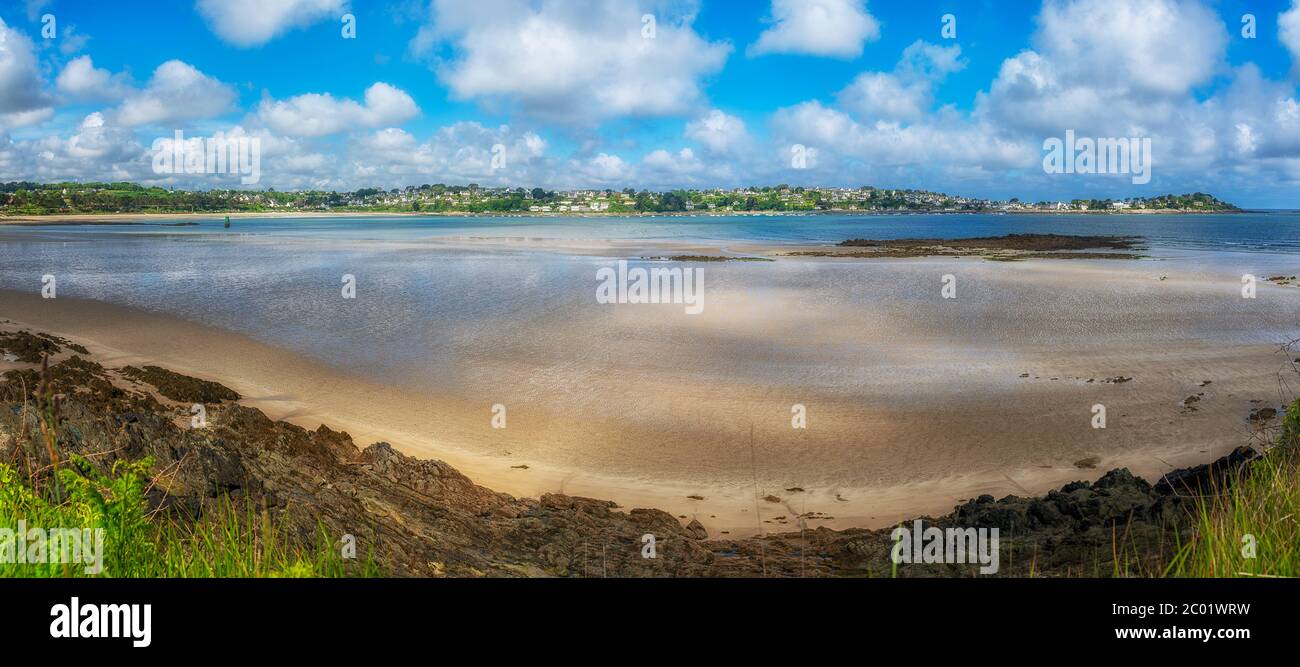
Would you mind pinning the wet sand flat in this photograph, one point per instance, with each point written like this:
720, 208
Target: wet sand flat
913, 402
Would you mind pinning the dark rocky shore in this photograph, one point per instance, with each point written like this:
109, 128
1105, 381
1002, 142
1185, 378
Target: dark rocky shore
1009, 247
423, 518
1034, 242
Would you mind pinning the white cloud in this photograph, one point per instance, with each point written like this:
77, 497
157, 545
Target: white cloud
81, 80
314, 115
1257, 118
572, 61
458, 153
928, 153
24, 118
1246, 142
1288, 31
719, 132
1134, 72
20, 78
923, 60
878, 95
1137, 71
907, 93
247, 23
34, 8
1145, 68
834, 28
95, 150
1155, 47
94, 139
675, 167
604, 169
72, 40
176, 92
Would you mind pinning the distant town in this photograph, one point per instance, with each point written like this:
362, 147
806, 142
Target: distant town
24, 198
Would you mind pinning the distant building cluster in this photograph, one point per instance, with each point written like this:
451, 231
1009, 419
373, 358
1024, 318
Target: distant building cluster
34, 198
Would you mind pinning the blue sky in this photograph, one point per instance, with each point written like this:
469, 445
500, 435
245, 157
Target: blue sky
580, 95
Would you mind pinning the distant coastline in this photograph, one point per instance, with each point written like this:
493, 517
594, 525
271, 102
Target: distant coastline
37, 200
150, 218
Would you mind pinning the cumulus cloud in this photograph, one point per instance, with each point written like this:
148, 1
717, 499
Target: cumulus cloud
678, 167
72, 40
603, 170
21, 85
177, 91
880, 95
923, 60
719, 133
100, 149
906, 93
81, 80
95, 150
1288, 31
1133, 70
463, 152
96, 140
1134, 73
948, 141
24, 118
314, 115
248, 23
1257, 118
572, 61
1145, 46
834, 28
1142, 69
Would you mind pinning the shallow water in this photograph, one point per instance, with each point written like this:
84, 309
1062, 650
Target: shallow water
430, 315
1267, 231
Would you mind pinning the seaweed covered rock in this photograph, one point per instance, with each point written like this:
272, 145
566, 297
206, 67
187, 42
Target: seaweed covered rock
181, 387
31, 348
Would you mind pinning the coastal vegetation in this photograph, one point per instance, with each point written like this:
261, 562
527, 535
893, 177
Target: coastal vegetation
1246, 523
36, 199
231, 539
49, 481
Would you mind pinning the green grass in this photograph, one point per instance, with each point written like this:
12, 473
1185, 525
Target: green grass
226, 542
229, 539
1259, 506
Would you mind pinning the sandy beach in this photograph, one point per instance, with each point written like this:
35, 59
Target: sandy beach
906, 414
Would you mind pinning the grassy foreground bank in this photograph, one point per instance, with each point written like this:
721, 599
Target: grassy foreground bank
1249, 525
44, 491
226, 542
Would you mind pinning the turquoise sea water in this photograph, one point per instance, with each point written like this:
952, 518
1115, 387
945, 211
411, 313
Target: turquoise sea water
1259, 231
